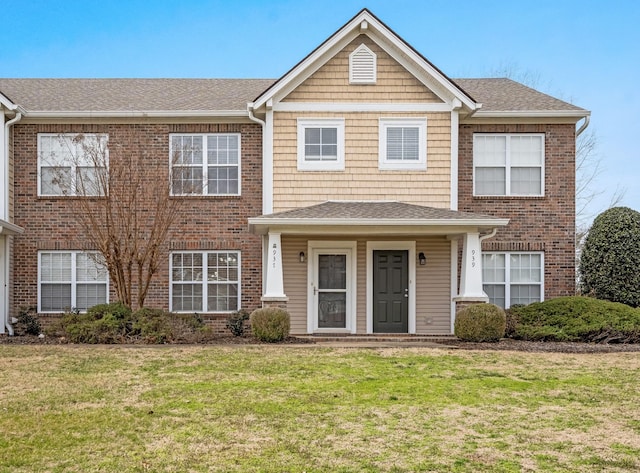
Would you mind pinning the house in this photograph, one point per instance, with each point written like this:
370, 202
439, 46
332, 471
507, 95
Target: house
364, 190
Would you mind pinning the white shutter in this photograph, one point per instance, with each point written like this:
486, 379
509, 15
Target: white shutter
362, 66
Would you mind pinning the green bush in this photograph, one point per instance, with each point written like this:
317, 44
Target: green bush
480, 323
610, 257
236, 322
116, 323
28, 323
270, 324
577, 318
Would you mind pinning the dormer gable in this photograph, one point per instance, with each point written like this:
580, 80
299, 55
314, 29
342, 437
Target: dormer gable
362, 66
367, 24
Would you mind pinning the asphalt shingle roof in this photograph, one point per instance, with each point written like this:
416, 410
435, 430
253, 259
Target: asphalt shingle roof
372, 210
184, 95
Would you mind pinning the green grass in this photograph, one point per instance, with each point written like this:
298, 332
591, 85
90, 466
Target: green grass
295, 409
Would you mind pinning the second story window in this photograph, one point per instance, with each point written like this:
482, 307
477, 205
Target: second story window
403, 144
72, 164
205, 164
321, 144
508, 164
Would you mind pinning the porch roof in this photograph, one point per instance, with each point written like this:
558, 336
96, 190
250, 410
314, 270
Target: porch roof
378, 216
7, 228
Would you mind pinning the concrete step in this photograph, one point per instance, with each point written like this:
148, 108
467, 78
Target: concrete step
378, 339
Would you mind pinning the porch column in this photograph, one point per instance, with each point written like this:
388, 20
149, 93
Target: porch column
471, 276
274, 287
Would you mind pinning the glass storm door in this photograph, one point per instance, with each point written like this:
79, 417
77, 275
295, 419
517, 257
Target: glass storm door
330, 291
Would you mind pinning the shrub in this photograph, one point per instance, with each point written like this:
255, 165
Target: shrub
116, 323
270, 324
577, 318
610, 257
236, 322
28, 323
480, 323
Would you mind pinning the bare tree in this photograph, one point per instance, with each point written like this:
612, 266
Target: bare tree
124, 207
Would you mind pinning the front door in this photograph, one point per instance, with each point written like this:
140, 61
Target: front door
391, 291
330, 291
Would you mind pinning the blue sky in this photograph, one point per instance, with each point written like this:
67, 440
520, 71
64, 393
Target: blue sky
586, 52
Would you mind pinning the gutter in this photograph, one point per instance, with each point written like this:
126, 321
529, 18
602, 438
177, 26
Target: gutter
7, 126
584, 126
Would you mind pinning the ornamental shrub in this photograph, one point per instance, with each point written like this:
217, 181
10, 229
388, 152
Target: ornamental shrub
236, 322
610, 259
576, 319
480, 323
28, 323
270, 324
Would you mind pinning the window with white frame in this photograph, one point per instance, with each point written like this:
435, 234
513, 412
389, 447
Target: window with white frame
72, 164
513, 278
205, 164
403, 144
508, 164
71, 280
205, 281
321, 144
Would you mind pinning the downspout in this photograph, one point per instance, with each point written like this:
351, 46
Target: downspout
7, 126
584, 126
489, 235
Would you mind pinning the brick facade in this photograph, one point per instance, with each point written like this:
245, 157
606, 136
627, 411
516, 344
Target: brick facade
544, 224
204, 223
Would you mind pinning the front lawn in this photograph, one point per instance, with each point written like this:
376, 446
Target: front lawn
293, 409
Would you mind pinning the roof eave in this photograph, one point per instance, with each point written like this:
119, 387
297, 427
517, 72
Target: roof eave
7, 228
261, 225
134, 113
532, 114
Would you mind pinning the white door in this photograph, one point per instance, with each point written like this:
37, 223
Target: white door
332, 290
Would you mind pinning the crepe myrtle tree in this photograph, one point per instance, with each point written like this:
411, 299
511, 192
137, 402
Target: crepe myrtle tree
123, 205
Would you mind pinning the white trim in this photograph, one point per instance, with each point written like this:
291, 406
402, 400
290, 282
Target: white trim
409, 246
205, 282
454, 280
454, 158
350, 248
136, 114
395, 165
73, 281
335, 165
4, 277
7, 228
507, 268
205, 165
361, 107
507, 166
531, 113
267, 164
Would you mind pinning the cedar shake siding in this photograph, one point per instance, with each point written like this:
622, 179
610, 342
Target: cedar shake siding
361, 179
205, 222
545, 223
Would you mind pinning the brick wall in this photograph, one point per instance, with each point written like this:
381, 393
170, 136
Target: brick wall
204, 223
536, 223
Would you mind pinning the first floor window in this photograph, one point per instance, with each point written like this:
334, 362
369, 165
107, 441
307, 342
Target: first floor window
513, 278
205, 281
71, 280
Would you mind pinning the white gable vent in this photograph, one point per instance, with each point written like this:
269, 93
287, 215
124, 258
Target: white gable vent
362, 66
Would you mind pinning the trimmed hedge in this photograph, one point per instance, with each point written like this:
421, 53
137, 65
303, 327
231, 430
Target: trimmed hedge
480, 323
270, 324
576, 318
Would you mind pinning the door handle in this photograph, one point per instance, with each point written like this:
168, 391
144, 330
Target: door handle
315, 290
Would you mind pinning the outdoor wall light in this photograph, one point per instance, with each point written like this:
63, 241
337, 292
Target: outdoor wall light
422, 259
302, 257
